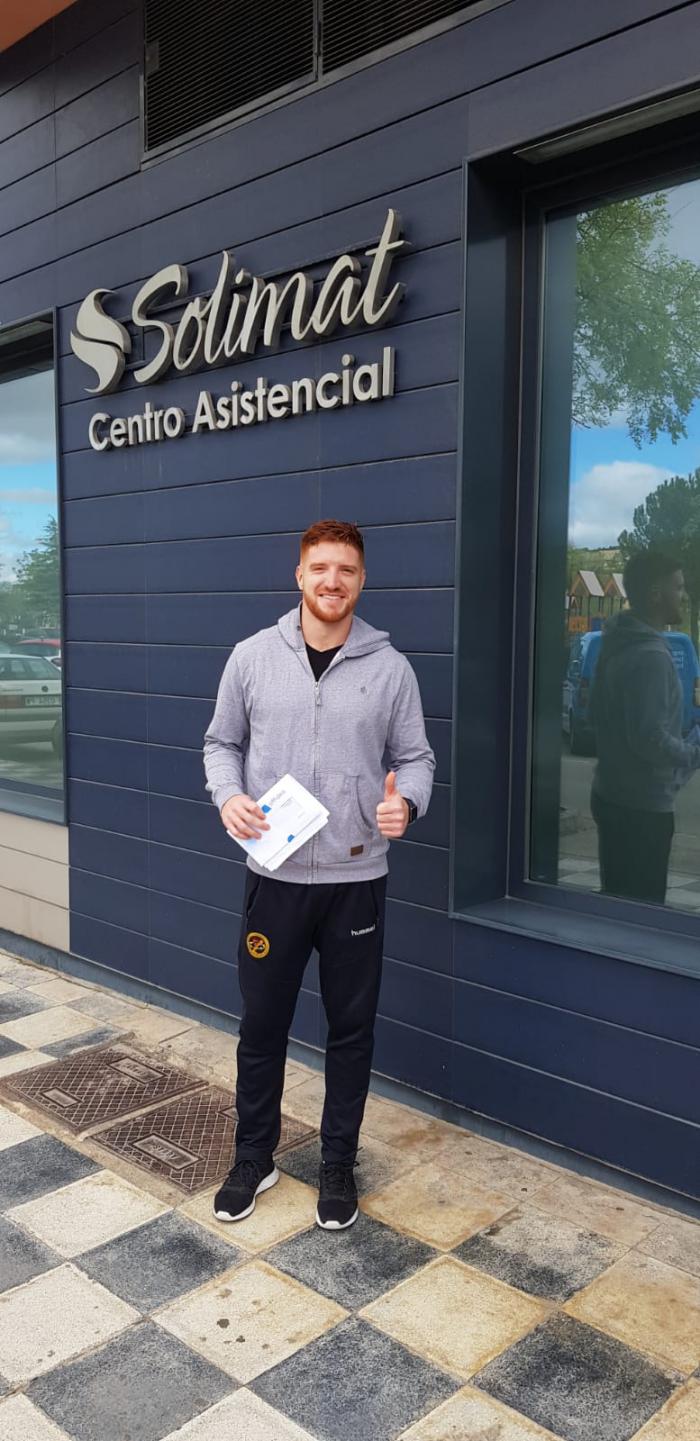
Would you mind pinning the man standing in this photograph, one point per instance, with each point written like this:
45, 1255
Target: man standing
324, 696
636, 710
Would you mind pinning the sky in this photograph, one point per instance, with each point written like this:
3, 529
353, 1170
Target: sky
609, 474
27, 465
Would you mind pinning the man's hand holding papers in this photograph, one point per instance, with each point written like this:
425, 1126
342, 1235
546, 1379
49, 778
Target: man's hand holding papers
292, 816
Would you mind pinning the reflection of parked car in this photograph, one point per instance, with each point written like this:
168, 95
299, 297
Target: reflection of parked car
50, 649
583, 658
30, 700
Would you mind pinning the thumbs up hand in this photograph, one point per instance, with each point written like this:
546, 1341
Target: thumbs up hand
392, 812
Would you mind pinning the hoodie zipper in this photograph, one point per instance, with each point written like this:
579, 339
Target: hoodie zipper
317, 728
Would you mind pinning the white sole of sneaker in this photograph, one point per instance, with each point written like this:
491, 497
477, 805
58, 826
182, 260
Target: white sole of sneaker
265, 1185
336, 1225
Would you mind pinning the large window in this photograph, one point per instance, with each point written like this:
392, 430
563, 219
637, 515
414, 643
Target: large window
31, 691
615, 762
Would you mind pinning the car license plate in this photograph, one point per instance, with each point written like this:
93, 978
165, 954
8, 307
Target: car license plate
42, 700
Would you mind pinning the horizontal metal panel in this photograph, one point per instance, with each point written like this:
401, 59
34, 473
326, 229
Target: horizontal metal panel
108, 808
206, 929
115, 947
633, 1138
99, 164
652, 1001
105, 899
189, 973
106, 854
114, 618
28, 151
102, 110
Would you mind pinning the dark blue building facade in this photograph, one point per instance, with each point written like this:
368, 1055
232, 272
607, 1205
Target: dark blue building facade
562, 1029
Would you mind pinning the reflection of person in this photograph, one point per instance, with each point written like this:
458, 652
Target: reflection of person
636, 711
324, 696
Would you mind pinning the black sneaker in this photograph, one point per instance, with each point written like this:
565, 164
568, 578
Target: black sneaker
337, 1199
246, 1179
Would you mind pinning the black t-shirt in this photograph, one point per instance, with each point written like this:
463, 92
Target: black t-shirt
320, 659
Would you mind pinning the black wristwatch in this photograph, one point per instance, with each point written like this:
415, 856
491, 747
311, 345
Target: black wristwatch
412, 810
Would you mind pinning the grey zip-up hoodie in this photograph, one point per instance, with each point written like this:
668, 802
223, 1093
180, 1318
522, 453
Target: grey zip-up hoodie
636, 712
338, 737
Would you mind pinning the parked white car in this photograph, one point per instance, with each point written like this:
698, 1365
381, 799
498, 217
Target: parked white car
30, 700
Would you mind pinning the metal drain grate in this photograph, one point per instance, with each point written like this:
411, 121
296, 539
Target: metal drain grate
92, 1087
189, 1141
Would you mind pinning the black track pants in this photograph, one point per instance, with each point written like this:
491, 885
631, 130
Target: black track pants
282, 923
634, 848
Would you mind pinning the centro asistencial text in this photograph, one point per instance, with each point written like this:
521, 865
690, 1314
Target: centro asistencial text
242, 314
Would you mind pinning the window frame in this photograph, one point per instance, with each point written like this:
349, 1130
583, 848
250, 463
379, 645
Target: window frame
492, 821
42, 804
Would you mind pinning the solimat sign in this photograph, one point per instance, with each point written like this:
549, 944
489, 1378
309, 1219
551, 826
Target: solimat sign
242, 315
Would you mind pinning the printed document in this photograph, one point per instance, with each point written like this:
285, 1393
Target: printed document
293, 814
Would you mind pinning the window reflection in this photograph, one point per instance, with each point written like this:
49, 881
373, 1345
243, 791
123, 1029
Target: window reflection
616, 743
31, 715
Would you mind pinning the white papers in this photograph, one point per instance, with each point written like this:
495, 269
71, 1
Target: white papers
293, 815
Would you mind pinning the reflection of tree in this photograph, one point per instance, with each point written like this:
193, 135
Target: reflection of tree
637, 321
36, 589
669, 520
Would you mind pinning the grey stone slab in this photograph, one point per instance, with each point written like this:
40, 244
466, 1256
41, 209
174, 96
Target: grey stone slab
159, 1261
540, 1254
139, 1387
34, 1167
16, 1004
97, 1036
9, 1048
22, 1256
354, 1382
581, 1384
352, 1267
23, 976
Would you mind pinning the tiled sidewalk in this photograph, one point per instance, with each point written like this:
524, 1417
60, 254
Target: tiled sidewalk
481, 1296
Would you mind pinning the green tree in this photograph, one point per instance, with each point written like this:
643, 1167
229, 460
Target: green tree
37, 580
637, 321
669, 520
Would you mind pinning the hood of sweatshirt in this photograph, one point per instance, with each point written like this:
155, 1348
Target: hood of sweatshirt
363, 639
626, 630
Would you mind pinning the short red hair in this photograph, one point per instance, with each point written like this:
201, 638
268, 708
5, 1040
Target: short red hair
343, 532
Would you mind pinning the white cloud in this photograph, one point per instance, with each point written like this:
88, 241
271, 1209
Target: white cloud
27, 419
604, 499
33, 495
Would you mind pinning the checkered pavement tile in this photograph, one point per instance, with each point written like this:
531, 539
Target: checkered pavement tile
539, 1254
39, 1165
96, 1036
142, 1384
352, 1267
16, 1004
355, 1382
159, 1261
578, 1383
22, 1256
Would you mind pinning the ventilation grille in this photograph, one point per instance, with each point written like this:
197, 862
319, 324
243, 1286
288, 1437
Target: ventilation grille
206, 59
354, 30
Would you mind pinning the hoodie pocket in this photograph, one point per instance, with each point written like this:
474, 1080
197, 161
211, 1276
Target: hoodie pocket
350, 826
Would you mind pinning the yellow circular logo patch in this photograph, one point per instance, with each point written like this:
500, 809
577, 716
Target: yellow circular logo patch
257, 944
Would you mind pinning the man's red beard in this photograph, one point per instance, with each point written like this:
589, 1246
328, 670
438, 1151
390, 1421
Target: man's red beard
329, 614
